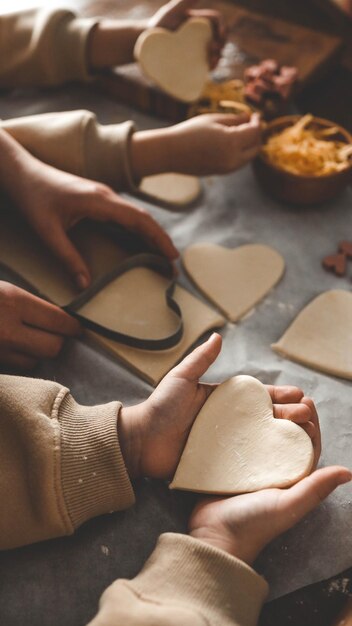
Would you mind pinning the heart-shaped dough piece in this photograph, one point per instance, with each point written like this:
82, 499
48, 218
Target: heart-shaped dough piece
177, 190
237, 446
176, 61
321, 335
234, 280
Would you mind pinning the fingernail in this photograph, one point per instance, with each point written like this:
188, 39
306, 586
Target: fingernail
345, 478
82, 281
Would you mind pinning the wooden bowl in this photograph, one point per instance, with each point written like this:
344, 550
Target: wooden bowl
297, 188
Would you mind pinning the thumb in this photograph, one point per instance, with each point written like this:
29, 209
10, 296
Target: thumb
64, 249
305, 496
197, 363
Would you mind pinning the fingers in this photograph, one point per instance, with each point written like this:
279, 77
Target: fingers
199, 361
181, 5
290, 403
137, 220
250, 133
284, 394
46, 316
298, 413
63, 248
17, 361
306, 495
38, 344
219, 32
315, 434
249, 154
228, 119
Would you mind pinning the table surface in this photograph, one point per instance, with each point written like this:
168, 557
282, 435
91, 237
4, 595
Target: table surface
63, 579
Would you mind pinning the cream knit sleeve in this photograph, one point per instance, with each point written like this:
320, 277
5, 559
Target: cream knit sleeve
43, 47
60, 462
185, 583
74, 141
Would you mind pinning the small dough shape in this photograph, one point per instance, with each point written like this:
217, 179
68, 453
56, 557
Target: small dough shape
171, 188
236, 445
321, 335
176, 61
234, 280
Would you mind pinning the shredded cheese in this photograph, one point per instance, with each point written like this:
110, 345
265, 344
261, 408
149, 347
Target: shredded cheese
308, 151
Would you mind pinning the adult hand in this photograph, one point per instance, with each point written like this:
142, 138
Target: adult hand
174, 13
54, 201
153, 433
204, 145
30, 328
243, 525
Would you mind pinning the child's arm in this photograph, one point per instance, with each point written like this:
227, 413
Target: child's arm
61, 463
118, 155
53, 47
64, 463
208, 577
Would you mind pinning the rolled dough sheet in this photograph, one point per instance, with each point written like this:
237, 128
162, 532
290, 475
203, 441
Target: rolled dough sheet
321, 335
21, 251
237, 446
234, 280
153, 365
176, 61
171, 189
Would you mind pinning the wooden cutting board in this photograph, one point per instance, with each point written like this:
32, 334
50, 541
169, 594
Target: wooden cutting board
252, 38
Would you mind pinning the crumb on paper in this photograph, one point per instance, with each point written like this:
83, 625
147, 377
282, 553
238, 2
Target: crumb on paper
105, 550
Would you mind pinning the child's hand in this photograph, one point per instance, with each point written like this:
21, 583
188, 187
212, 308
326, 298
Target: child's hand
174, 13
54, 201
217, 143
243, 525
30, 328
153, 434
201, 146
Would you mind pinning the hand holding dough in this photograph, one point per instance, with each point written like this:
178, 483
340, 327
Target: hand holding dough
177, 61
236, 445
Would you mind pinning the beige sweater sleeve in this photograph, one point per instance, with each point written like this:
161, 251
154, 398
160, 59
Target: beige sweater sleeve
48, 47
185, 583
74, 141
60, 463
43, 48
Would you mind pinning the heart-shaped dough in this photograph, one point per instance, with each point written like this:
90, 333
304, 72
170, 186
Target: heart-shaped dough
178, 190
176, 61
321, 335
237, 446
134, 303
234, 280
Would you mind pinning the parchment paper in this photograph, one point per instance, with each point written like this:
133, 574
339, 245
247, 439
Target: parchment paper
71, 573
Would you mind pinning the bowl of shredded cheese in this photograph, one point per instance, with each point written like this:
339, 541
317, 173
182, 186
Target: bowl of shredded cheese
304, 160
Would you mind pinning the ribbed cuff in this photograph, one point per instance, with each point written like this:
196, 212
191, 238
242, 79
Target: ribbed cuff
93, 474
71, 42
107, 153
220, 587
